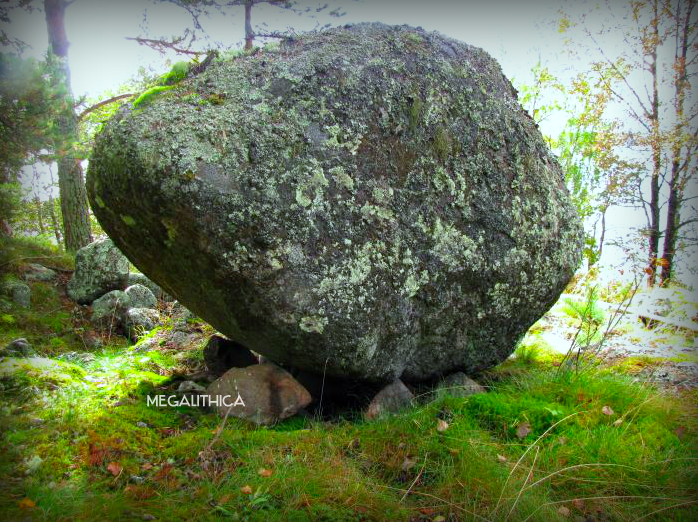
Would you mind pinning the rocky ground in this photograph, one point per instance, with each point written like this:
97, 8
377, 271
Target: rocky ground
663, 354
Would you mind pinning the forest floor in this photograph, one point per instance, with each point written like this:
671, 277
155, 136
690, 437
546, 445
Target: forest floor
614, 438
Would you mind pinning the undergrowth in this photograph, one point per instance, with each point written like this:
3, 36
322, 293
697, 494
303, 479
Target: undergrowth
540, 445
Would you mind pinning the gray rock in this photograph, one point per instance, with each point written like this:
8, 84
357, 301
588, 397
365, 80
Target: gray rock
372, 199
460, 385
140, 296
221, 354
18, 292
267, 394
146, 345
137, 321
389, 400
77, 357
181, 313
179, 339
140, 279
99, 268
18, 348
190, 386
110, 307
37, 272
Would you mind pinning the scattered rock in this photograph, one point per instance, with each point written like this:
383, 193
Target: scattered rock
18, 348
179, 311
99, 268
140, 320
36, 272
389, 400
180, 339
221, 354
146, 345
190, 386
18, 292
140, 296
32, 464
460, 385
353, 220
269, 394
140, 279
42, 368
77, 357
110, 307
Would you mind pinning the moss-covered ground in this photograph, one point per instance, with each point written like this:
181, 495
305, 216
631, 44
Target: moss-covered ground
541, 445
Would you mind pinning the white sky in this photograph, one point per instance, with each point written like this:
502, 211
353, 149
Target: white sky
517, 33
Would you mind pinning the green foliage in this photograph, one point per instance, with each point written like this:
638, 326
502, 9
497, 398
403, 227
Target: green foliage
587, 311
28, 105
10, 200
150, 94
177, 73
581, 146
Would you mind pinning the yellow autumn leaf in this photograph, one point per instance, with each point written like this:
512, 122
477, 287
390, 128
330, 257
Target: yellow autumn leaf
26, 503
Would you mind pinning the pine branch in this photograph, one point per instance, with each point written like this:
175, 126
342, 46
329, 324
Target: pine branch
160, 45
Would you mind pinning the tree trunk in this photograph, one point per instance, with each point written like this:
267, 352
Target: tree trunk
74, 205
39, 214
5, 227
676, 183
54, 221
603, 230
249, 35
653, 233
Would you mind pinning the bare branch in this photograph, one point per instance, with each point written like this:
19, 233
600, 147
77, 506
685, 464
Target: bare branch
161, 45
622, 76
103, 103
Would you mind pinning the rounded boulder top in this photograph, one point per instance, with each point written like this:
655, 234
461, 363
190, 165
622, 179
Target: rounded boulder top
369, 201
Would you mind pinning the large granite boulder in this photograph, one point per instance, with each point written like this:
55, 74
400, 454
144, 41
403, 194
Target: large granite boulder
369, 201
99, 268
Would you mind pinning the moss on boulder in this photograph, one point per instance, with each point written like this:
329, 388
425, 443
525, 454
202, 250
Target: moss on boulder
370, 199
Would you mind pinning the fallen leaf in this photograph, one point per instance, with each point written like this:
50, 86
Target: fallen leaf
263, 472
115, 468
680, 432
440, 518
523, 429
578, 503
618, 422
224, 499
246, 490
96, 454
606, 410
563, 511
147, 466
26, 503
453, 451
441, 425
501, 458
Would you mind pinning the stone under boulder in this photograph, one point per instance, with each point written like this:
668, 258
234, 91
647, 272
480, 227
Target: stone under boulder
262, 393
99, 268
370, 202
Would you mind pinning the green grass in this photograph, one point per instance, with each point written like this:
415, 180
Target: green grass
626, 465
88, 447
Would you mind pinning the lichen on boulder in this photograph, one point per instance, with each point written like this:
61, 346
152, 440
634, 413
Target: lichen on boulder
369, 201
99, 268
